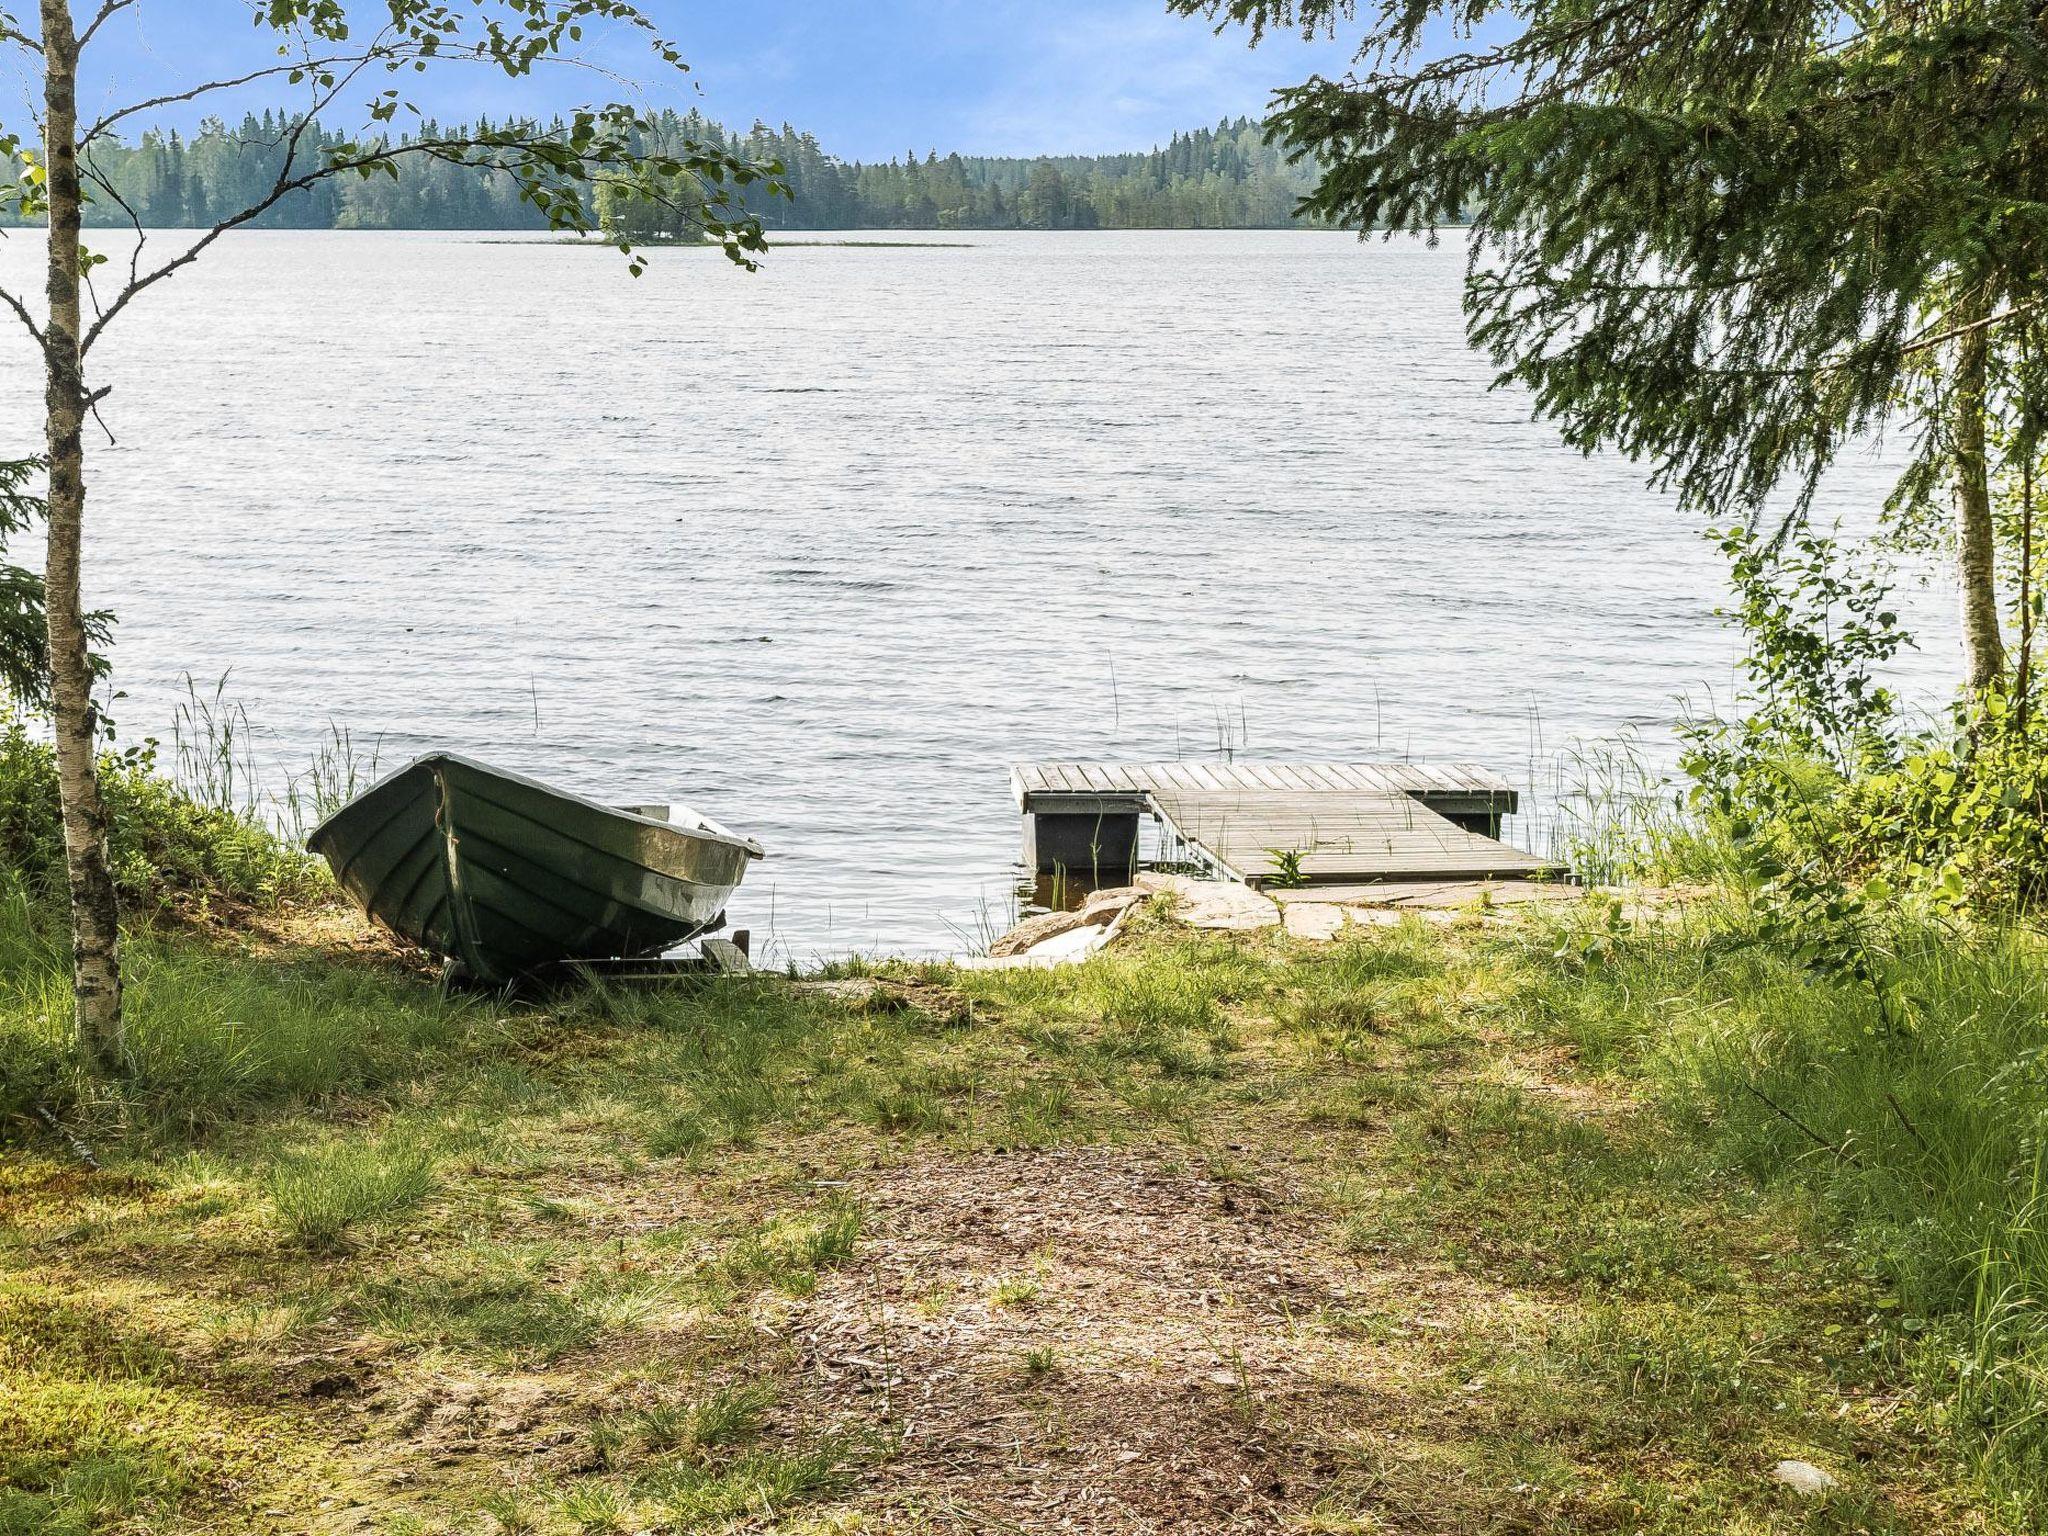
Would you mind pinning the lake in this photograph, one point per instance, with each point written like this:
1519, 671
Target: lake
824, 549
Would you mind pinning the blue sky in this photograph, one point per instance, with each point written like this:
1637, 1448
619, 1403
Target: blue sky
872, 78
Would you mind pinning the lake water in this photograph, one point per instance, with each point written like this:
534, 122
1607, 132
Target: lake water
823, 550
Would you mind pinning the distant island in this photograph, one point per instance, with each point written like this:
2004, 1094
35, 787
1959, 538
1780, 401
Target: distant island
1231, 176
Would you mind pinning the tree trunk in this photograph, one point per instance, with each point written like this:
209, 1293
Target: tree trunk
1982, 644
95, 916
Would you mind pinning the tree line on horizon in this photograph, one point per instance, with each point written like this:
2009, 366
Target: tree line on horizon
1231, 176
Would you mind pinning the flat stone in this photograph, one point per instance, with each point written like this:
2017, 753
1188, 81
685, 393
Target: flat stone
1106, 905
1220, 904
1363, 893
1098, 911
1313, 919
1063, 948
1074, 944
1803, 1477
1033, 931
1376, 917
1415, 894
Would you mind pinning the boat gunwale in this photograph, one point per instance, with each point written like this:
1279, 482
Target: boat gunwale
427, 761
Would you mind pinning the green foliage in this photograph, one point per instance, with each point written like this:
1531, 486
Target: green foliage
1832, 804
1287, 872
1965, 815
1722, 239
289, 168
24, 643
1817, 633
169, 850
1776, 780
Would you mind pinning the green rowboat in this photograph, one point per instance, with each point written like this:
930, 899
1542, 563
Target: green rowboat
506, 876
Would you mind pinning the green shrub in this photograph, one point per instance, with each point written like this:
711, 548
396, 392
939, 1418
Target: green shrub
168, 848
1966, 813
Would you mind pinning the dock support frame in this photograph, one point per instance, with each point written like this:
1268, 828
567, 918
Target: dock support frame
1091, 839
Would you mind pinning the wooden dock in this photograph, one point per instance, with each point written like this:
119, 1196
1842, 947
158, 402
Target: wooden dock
1343, 823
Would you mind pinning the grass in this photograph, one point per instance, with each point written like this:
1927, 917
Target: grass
1920, 1139
324, 1197
1468, 1228
719, 1417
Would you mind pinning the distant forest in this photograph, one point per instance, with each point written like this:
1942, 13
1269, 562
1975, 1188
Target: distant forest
1226, 177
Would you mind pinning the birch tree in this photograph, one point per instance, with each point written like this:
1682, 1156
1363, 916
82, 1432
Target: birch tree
331, 60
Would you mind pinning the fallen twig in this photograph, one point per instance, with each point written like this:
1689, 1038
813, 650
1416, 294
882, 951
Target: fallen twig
1906, 1120
78, 1148
1846, 1154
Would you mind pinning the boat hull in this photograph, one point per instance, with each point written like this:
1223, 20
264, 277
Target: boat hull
507, 876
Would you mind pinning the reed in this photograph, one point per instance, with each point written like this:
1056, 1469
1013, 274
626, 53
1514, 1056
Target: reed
340, 770
214, 764
1614, 819
212, 749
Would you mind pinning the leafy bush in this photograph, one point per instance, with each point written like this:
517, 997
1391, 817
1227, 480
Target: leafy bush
1965, 817
169, 849
1821, 788
1814, 718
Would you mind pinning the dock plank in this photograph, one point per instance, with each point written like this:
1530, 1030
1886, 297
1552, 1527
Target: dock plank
1352, 822
1362, 836
1460, 788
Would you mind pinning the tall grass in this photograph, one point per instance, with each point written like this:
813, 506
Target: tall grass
214, 764
212, 749
1614, 819
341, 769
1918, 1131
212, 1032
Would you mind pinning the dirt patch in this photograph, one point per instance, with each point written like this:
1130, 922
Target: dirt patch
1087, 1340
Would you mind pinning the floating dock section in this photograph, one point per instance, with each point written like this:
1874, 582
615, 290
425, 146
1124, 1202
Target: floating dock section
1284, 823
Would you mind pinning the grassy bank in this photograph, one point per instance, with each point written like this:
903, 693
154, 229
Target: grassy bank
1438, 1229
1565, 1223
